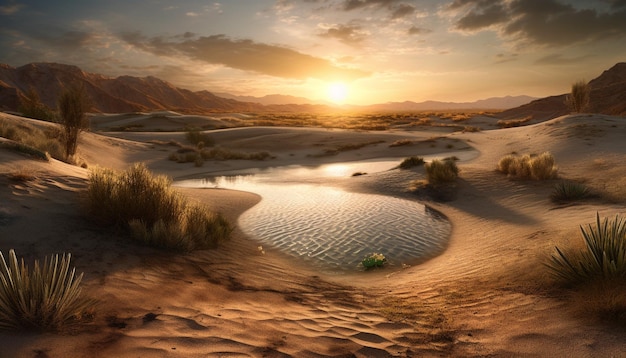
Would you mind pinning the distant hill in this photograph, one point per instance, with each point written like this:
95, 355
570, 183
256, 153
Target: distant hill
131, 94
112, 95
272, 99
495, 103
607, 96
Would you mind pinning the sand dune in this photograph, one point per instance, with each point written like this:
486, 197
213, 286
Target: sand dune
488, 294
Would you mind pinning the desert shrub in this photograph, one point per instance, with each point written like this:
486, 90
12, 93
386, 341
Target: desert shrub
411, 162
578, 99
471, 129
31, 106
196, 137
602, 259
46, 298
510, 123
537, 167
145, 204
569, 191
32, 140
73, 104
220, 153
441, 171
401, 143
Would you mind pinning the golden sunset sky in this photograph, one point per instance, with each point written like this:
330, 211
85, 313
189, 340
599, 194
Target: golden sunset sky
352, 51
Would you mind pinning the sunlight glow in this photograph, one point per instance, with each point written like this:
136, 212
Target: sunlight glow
337, 92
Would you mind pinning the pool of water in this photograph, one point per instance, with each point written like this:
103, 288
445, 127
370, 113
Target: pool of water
328, 227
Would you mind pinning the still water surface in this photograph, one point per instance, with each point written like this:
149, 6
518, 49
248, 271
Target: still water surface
328, 227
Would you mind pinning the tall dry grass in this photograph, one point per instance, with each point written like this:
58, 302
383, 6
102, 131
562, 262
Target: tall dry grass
34, 141
151, 211
536, 167
442, 171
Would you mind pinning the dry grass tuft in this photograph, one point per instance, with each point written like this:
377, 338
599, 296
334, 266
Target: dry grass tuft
146, 206
442, 171
536, 167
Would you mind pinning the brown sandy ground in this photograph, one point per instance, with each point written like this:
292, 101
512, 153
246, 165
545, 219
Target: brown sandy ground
488, 294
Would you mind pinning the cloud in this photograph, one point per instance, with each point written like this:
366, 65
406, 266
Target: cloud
414, 30
484, 15
546, 22
616, 4
245, 55
348, 34
358, 4
402, 11
60, 38
558, 59
10, 9
397, 9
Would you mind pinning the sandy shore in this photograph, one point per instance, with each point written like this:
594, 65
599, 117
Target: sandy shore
488, 294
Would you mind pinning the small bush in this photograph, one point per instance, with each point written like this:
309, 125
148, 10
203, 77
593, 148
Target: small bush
196, 137
411, 162
32, 107
145, 204
537, 167
603, 259
401, 143
46, 298
32, 140
578, 99
569, 191
373, 261
444, 171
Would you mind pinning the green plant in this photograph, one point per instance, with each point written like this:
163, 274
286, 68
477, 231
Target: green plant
73, 104
46, 298
151, 211
411, 162
604, 256
442, 171
569, 191
374, 260
578, 99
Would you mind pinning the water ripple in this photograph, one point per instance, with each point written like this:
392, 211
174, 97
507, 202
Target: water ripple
335, 229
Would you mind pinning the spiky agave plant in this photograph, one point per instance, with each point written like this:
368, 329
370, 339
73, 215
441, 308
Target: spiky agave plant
46, 298
604, 257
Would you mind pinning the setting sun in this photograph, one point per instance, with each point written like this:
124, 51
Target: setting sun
337, 92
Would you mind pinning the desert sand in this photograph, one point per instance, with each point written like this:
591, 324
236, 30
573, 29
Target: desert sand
487, 294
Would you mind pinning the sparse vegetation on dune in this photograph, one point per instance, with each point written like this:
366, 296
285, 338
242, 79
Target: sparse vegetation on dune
568, 191
578, 99
442, 171
146, 206
46, 298
511, 123
32, 107
199, 138
597, 269
603, 258
536, 167
32, 140
347, 147
411, 162
197, 155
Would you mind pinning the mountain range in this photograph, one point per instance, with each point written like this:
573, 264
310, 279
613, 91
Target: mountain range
131, 94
